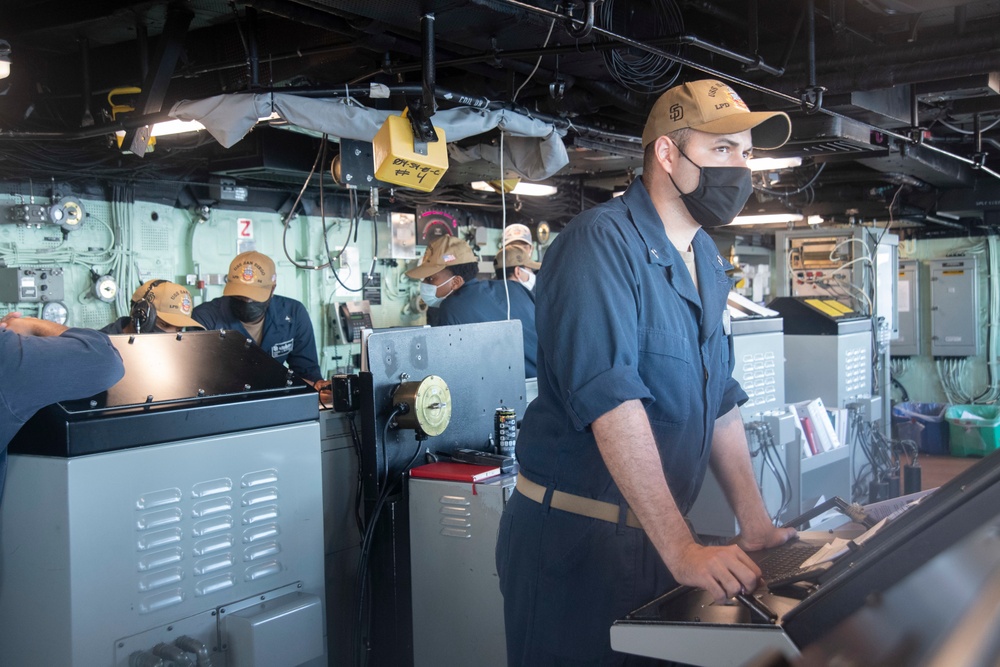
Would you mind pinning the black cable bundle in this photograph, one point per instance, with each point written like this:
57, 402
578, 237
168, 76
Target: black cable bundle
639, 71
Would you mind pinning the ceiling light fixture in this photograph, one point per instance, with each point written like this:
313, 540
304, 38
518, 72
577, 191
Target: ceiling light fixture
773, 163
5, 60
767, 219
166, 128
175, 127
524, 189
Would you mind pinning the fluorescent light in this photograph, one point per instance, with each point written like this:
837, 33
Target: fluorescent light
4, 59
814, 219
773, 163
168, 127
525, 189
767, 219
176, 127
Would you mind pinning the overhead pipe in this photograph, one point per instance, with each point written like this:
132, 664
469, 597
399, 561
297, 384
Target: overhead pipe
253, 49
969, 45
421, 107
379, 42
154, 87
875, 78
811, 97
715, 11
292, 55
748, 84
142, 46
787, 56
429, 62
979, 156
751, 62
86, 117
811, 41
628, 41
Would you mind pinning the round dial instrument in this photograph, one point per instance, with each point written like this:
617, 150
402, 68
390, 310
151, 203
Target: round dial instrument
542, 233
429, 401
105, 288
55, 311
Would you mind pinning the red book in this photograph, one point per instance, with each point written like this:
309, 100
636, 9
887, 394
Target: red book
807, 428
455, 471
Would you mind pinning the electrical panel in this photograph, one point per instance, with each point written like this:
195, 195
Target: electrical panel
907, 310
954, 307
31, 285
67, 213
814, 266
844, 264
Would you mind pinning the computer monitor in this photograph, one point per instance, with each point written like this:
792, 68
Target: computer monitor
923, 531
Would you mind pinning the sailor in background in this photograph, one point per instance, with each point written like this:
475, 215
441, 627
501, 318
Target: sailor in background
158, 306
278, 324
518, 236
448, 283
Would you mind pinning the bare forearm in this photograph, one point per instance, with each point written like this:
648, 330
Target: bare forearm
30, 326
629, 450
627, 446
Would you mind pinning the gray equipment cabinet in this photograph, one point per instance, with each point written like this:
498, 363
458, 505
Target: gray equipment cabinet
457, 605
188, 523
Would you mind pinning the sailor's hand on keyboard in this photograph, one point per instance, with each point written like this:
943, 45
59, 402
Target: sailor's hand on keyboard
722, 571
769, 536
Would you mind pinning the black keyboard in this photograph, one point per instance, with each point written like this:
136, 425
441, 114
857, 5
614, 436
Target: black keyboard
783, 565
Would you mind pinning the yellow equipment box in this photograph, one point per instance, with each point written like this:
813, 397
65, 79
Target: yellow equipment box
396, 162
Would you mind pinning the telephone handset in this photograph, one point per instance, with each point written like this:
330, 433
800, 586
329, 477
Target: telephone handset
355, 316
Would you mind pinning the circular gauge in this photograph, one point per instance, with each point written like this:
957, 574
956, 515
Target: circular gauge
430, 405
542, 232
55, 311
432, 225
105, 288
68, 213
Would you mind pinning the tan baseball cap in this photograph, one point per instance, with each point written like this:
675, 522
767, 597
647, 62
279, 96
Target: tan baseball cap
252, 275
514, 256
443, 252
172, 302
712, 106
516, 232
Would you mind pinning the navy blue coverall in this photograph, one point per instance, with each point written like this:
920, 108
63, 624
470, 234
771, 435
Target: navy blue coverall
288, 332
618, 319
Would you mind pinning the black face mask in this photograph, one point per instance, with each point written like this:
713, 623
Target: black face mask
721, 194
249, 311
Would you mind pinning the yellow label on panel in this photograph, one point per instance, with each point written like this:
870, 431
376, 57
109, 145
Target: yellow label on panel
836, 305
823, 307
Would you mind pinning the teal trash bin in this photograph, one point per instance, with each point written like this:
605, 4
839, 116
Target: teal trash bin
974, 430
